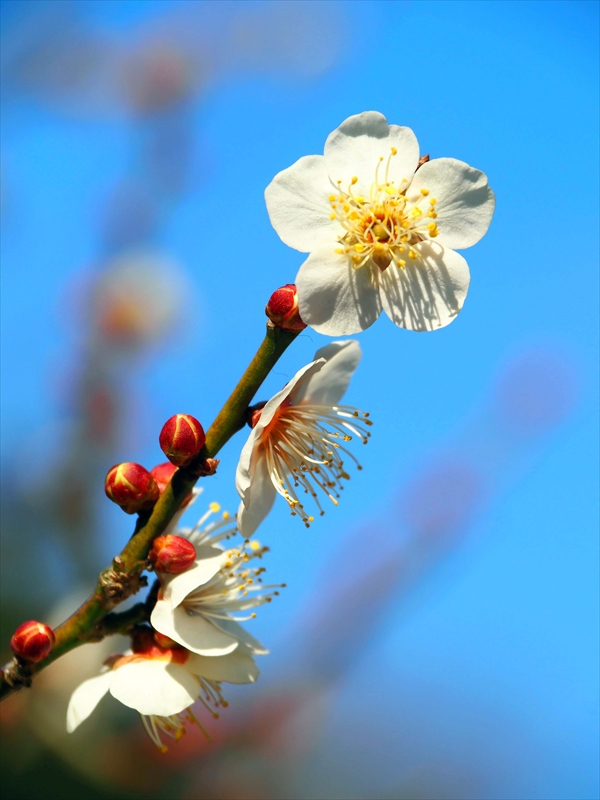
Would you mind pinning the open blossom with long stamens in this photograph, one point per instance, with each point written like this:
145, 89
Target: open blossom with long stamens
297, 445
202, 607
381, 227
161, 683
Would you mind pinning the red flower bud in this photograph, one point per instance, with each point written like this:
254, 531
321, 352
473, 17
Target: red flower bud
162, 474
132, 487
172, 554
32, 641
181, 439
282, 309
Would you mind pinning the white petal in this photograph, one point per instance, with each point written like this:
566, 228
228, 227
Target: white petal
237, 667
355, 149
258, 501
85, 698
465, 203
329, 384
233, 628
430, 292
208, 562
243, 473
335, 299
193, 631
154, 687
298, 205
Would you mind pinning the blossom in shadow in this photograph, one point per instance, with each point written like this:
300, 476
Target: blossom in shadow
161, 683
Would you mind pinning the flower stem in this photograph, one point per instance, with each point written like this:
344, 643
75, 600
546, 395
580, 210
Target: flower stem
90, 622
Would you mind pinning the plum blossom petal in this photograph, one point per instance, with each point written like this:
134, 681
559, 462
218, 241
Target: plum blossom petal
334, 298
328, 385
192, 631
465, 202
243, 473
356, 147
85, 698
237, 667
298, 205
430, 292
258, 501
246, 641
153, 686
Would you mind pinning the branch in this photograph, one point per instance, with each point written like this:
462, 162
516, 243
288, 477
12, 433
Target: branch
123, 578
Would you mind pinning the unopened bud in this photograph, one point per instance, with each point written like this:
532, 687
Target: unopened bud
162, 474
282, 309
132, 487
181, 439
172, 554
32, 641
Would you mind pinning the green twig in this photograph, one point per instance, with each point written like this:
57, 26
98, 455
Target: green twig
123, 578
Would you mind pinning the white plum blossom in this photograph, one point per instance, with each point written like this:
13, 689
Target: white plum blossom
200, 608
296, 439
161, 683
381, 227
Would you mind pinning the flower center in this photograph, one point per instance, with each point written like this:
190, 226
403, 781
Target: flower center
385, 226
303, 450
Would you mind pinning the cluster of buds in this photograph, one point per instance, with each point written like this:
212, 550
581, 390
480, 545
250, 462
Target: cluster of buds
32, 641
132, 487
282, 309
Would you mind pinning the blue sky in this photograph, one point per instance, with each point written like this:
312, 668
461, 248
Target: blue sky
510, 88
